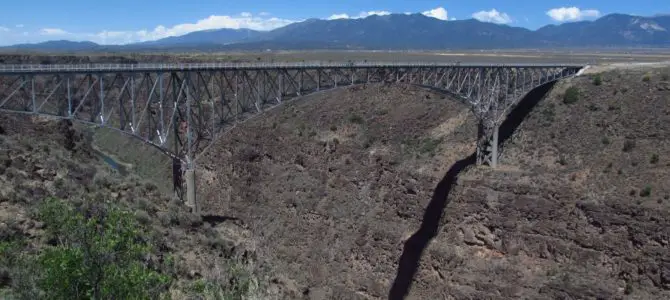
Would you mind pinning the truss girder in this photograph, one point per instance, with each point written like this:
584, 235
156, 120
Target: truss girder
181, 111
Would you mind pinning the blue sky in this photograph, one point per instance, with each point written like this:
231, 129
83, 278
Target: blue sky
123, 21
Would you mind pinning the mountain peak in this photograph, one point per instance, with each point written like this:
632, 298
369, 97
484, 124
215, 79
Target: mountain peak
408, 32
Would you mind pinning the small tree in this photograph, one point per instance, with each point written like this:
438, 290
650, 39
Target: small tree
646, 191
597, 80
571, 95
628, 145
98, 255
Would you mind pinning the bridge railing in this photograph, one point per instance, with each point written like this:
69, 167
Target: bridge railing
138, 67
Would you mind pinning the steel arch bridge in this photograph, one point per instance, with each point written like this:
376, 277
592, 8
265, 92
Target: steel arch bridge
180, 108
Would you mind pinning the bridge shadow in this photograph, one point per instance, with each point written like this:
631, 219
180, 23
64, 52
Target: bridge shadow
414, 247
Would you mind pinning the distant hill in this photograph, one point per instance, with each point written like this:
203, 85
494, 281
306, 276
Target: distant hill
60, 45
610, 30
404, 32
215, 36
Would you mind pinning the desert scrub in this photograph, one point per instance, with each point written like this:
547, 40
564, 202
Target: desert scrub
97, 252
605, 140
571, 95
429, 146
628, 145
597, 80
355, 119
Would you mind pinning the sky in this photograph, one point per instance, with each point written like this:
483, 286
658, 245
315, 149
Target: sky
127, 21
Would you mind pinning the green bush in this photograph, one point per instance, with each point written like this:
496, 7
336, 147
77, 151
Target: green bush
646, 78
597, 80
645, 192
429, 146
628, 145
571, 95
356, 119
654, 159
605, 140
99, 255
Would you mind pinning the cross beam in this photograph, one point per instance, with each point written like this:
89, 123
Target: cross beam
180, 108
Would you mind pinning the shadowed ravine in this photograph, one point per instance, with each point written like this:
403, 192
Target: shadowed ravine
418, 242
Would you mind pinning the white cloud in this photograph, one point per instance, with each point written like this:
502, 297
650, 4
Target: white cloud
492, 16
243, 20
19, 26
366, 14
363, 14
437, 13
4, 29
53, 31
562, 14
338, 16
264, 14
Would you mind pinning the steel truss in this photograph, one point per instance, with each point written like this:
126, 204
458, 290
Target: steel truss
179, 109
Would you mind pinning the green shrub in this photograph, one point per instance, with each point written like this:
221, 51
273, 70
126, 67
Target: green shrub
629, 288
429, 146
654, 158
593, 107
549, 114
100, 256
646, 78
605, 140
628, 145
562, 160
355, 119
645, 192
597, 80
382, 112
571, 95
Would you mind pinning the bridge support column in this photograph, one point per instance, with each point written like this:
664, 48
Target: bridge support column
190, 191
487, 144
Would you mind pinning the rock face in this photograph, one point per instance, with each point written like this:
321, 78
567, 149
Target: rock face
39, 160
346, 193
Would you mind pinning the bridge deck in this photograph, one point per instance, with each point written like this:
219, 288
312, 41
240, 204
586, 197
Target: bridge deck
18, 69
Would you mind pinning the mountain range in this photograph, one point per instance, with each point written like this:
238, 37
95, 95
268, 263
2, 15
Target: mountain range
402, 32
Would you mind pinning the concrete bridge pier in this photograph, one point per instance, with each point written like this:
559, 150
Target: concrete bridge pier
487, 144
191, 200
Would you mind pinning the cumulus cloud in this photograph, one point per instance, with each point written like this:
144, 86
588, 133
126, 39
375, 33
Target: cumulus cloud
492, 16
338, 17
363, 14
262, 22
437, 13
53, 31
245, 20
562, 14
374, 12
5, 29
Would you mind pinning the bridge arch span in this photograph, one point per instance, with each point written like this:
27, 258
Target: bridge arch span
180, 108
